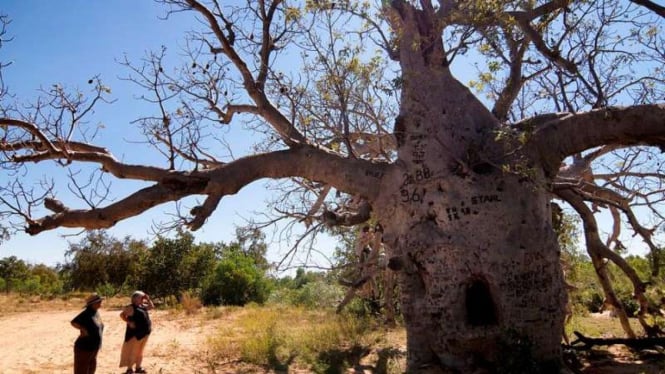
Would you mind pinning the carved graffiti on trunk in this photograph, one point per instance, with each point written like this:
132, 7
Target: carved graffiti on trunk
419, 144
464, 209
374, 173
419, 175
525, 283
414, 194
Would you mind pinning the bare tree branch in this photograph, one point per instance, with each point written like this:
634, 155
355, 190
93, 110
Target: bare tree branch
658, 9
636, 125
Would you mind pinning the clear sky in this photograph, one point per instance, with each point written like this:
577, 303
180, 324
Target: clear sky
68, 42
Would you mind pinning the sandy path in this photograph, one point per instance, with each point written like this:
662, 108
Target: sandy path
42, 342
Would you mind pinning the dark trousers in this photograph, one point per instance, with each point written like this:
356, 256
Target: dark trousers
85, 362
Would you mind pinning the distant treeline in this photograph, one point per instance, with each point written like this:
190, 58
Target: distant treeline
232, 274
238, 273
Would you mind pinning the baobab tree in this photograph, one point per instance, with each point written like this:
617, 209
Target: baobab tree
373, 124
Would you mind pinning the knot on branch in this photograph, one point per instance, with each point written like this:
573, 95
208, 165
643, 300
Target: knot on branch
185, 183
195, 211
347, 218
34, 228
54, 205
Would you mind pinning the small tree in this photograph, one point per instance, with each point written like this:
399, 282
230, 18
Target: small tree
13, 271
237, 280
48, 279
100, 259
172, 266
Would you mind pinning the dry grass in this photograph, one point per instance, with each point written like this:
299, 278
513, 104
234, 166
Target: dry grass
190, 304
286, 339
599, 326
15, 303
293, 339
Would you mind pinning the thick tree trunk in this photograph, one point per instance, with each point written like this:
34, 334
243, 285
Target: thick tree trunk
477, 258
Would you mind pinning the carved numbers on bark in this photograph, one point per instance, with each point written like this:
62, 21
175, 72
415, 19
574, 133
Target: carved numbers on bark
464, 208
410, 192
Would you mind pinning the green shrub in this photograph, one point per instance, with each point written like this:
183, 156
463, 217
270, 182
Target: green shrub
29, 286
593, 301
236, 281
317, 294
630, 305
107, 290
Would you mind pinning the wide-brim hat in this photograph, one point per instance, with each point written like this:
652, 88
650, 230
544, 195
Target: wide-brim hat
137, 294
93, 299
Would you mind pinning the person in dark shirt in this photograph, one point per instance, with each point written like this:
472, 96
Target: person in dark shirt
137, 332
89, 341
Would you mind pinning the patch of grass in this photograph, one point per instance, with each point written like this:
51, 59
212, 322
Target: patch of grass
599, 327
17, 303
215, 312
283, 338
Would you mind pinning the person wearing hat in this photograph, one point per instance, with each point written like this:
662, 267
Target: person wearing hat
137, 332
90, 326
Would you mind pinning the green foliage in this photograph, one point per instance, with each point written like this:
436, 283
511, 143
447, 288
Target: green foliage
236, 280
107, 290
99, 259
172, 266
168, 269
13, 271
566, 226
319, 294
18, 276
313, 294
588, 295
252, 243
304, 277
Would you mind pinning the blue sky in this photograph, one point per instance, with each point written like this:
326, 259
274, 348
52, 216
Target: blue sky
68, 42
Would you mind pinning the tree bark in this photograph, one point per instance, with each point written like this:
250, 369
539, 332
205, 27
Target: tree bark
474, 247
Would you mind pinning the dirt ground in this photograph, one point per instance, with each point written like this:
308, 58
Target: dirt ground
41, 341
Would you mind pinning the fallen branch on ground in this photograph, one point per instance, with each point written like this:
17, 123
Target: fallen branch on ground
585, 343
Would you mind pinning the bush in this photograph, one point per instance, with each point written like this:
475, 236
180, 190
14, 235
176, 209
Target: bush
313, 295
190, 303
593, 301
236, 281
319, 294
106, 290
630, 305
29, 286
